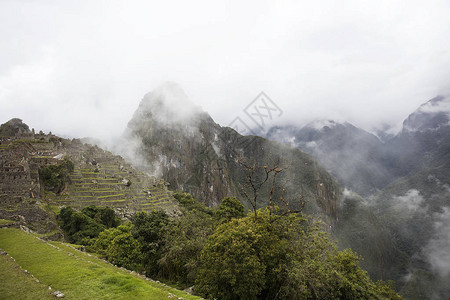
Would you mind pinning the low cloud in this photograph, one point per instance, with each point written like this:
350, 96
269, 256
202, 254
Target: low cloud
412, 201
437, 251
437, 106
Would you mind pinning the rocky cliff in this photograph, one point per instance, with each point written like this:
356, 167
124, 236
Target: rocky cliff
176, 140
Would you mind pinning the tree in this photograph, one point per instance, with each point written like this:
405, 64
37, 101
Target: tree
257, 177
229, 208
102, 215
78, 227
148, 230
83, 227
55, 177
184, 240
280, 257
119, 247
188, 203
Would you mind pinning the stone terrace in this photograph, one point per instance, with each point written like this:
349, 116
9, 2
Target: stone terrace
101, 178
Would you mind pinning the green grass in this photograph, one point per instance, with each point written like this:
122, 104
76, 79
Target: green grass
109, 196
99, 178
76, 274
113, 201
16, 284
4, 222
54, 208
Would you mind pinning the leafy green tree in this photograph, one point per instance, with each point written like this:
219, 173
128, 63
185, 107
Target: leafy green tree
55, 177
280, 257
229, 208
119, 247
83, 227
184, 239
148, 230
188, 203
102, 215
182, 245
78, 227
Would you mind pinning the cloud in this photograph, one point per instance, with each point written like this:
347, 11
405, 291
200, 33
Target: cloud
437, 251
83, 66
412, 201
435, 107
168, 104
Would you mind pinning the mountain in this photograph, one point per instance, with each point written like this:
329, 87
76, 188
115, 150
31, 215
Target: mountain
416, 205
354, 156
179, 142
14, 127
406, 181
424, 140
175, 140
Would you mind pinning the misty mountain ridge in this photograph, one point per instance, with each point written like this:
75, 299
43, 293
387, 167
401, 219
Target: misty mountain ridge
431, 115
168, 104
177, 141
405, 179
199, 156
351, 154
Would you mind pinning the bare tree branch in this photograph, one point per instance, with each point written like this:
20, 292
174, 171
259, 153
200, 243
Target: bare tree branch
255, 186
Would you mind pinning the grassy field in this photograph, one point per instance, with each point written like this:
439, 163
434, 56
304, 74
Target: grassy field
76, 274
16, 284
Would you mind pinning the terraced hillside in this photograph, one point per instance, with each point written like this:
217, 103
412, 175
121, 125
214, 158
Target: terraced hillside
101, 178
98, 178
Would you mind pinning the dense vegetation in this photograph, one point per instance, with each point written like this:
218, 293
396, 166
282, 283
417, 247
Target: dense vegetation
280, 257
55, 177
226, 254
84, 226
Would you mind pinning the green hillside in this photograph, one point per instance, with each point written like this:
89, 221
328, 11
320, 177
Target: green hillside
76, 274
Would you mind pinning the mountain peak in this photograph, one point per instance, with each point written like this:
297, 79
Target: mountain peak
13, 127
429, 116
320, 124
167, 104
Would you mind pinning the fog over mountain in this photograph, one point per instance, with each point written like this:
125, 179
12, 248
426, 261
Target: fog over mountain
406, 181
80, 68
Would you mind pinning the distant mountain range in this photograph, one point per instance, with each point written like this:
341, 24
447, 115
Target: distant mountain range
363, 162
405, 179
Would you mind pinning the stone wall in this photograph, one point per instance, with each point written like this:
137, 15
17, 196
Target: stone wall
19, 169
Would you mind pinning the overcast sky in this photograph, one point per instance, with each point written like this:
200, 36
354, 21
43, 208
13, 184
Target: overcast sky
80, 68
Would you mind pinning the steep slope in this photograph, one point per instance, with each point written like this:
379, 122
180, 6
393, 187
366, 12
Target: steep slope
195, 154
352, 155
184, 146
424, 140
415, 207
411, 172
76, 274
98, 178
